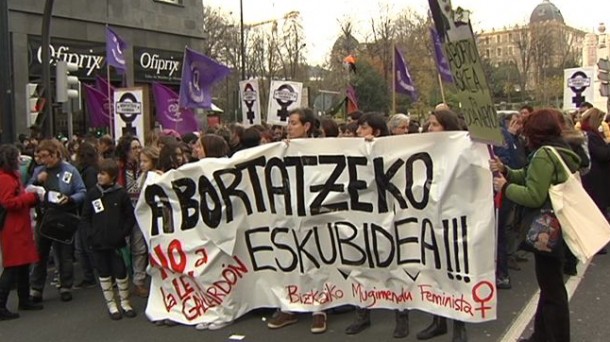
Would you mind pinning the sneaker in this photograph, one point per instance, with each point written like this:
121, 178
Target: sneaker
281, 319
6, 315
85, 284
503, 283
318, 323
65, 296
218, 325
30, 306
129, 313
202, 326
35, 296
140, 291
115, 316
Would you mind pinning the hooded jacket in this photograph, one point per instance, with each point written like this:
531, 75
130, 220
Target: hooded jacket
529, 186
108, 217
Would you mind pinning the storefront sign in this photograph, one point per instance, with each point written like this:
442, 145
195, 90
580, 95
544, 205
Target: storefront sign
89, 56
157, 65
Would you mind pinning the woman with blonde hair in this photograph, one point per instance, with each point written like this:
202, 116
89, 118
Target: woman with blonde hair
595, 182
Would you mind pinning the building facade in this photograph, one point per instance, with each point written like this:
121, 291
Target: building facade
539, 49
156, 32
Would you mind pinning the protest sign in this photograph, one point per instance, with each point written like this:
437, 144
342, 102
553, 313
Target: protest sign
400, 222
131, 112
284, 96
250, 102
473, 92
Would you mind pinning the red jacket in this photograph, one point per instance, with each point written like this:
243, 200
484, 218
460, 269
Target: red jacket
17, 237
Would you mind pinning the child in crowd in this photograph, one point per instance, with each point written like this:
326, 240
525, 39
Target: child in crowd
108, 217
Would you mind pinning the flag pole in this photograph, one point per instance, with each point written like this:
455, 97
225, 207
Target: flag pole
393, 78
110, 104
440, 84
110, 109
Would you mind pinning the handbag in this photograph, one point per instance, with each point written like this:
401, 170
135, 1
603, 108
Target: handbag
544, 234
59, 225
585, 229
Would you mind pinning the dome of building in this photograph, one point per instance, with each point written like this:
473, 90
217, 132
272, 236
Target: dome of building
546, 11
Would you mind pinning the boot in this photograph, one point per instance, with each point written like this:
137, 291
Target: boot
363, 321
5, 315
123, 285
438, 327
108, 291
459, 332
402, 324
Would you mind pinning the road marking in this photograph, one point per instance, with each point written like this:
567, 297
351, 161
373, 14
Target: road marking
520, 323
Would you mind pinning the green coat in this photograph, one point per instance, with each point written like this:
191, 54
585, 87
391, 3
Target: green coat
529, 186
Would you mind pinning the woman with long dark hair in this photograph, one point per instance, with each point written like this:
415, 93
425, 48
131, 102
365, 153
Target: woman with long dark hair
371, 126
302, 124
443, 120
87, 159
529, 187
16, 236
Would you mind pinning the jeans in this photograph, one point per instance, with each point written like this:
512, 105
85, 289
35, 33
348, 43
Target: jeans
84, 256
552, 320
139, 256
64, 253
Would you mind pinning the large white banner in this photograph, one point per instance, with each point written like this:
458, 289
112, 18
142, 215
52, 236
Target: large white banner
401, 222
129, 112
250, 102
284, 96
578, 87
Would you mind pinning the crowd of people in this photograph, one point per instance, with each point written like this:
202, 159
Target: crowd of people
88, 187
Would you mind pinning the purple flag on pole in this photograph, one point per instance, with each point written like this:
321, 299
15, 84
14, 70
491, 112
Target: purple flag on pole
441, 61
169, 113
199, 74
98, 106
115, 50
402, 79
103, 85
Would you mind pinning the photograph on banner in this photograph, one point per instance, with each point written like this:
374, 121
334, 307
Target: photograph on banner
455, 32
250, 102
284, 96
400, 222
129, 112
578, 87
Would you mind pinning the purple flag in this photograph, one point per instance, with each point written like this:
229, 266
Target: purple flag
199, 74
115, 50
441, 61
402, 79
103, 86
169, 113
352, 99
98, 106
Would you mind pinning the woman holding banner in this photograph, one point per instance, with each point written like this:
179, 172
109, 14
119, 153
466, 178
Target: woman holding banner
530, 187
371, 126
302, 124
443, 120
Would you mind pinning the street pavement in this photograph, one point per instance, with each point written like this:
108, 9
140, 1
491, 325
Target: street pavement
86, 319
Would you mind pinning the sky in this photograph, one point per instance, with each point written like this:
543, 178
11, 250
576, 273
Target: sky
321, 18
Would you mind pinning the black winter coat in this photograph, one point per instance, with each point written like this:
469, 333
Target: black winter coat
596, 181
108, 217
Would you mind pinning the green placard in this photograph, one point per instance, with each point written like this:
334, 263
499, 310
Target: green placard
473, 91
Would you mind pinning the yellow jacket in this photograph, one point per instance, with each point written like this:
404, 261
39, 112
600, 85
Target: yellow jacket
605, 128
